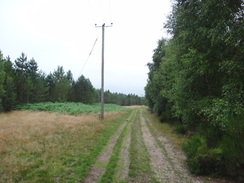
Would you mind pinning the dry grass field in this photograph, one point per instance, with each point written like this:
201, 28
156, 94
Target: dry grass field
38, 146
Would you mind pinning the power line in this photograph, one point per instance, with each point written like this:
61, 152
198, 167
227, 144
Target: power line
89, 54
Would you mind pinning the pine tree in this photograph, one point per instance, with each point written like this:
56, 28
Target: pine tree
2, 74
9, 98
20, 78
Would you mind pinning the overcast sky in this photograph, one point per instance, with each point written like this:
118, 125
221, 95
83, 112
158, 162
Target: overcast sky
62, 33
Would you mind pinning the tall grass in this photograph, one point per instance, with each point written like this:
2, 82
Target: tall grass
52, 147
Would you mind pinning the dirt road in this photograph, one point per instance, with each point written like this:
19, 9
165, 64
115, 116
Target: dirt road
138, 153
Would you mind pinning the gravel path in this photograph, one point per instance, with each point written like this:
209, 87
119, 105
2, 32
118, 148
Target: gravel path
166, 164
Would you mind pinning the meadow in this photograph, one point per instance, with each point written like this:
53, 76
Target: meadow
39, 146
70, 107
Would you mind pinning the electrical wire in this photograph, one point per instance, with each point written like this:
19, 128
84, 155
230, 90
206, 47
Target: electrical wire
89, 54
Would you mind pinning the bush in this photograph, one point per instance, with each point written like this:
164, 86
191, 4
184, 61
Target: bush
165, 116
202, 160
180, 129
233, 148
233, 152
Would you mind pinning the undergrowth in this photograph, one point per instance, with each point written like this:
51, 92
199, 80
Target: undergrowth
70, 107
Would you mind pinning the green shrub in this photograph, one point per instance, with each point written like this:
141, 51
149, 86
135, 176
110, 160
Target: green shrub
201, 159
233, 152
230, 139
180, 129
165, 116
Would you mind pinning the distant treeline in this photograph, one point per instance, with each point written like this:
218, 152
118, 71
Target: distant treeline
22, 82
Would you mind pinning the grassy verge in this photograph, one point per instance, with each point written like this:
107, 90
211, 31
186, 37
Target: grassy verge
47, 147
139, 170
70, 107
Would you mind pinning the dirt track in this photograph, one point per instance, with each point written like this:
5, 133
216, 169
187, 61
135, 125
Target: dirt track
141, 138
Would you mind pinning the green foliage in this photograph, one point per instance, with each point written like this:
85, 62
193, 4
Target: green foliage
70, 107
233, 149
202, 160
122, 99
58, 85
8, 96
2, 73
21, 78
22, 82
8, 101
155, 96
180, 129
199, 80
83, 91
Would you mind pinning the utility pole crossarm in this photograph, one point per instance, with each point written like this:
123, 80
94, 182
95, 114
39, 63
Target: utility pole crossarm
101, 117
103, 25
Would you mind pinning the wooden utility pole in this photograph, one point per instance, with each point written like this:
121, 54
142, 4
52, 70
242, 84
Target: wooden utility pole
101, 116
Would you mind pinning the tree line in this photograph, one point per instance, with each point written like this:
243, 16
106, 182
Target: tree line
22, 82
197, 79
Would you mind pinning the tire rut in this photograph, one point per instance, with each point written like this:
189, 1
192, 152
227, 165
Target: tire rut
167, 163
176, 158
99, 167
159, 162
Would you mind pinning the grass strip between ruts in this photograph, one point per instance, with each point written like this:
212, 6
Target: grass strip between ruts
140, 168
